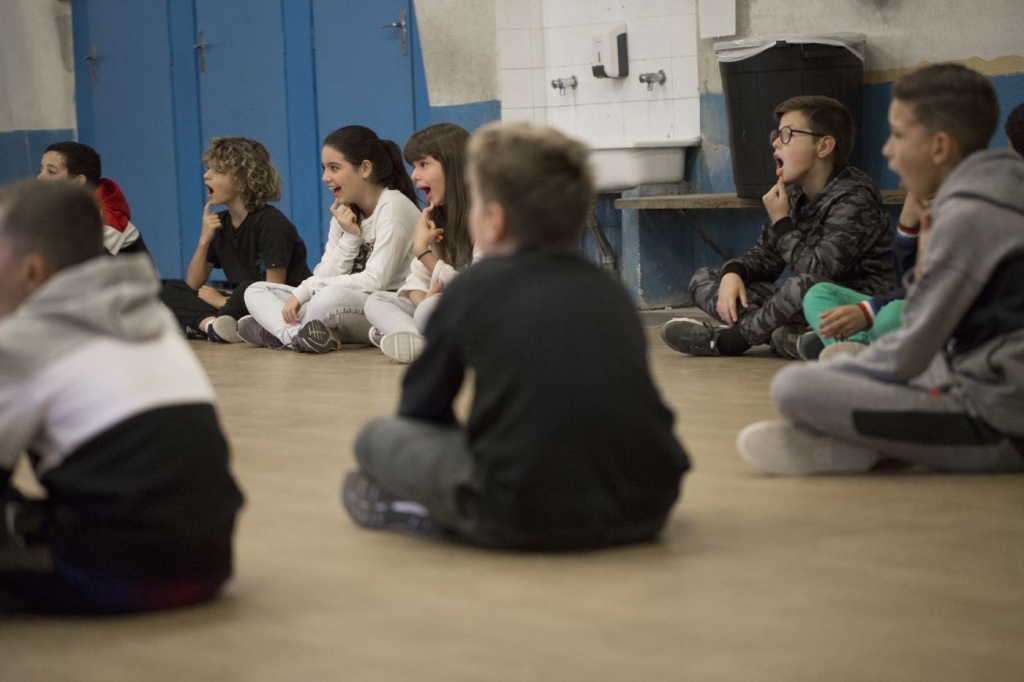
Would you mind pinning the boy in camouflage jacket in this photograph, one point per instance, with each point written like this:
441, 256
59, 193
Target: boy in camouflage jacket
825, 221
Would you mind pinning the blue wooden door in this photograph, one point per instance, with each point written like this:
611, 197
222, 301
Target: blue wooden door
362, 75
242, 83
126, 112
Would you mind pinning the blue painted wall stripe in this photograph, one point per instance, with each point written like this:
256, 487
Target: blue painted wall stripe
303, 142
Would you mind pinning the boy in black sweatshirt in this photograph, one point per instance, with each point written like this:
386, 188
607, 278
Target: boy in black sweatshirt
567, 444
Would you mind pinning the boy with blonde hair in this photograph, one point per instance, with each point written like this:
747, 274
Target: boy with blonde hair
946, 389
555, 454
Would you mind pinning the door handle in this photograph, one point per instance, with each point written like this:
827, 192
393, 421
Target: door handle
201, 47
400, 25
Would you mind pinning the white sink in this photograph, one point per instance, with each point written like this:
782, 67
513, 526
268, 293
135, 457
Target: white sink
629, 164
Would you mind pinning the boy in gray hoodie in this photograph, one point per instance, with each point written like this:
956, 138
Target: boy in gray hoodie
117, 418
946, 389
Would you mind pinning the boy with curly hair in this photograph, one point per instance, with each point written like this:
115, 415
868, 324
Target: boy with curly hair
250, 240
946, 389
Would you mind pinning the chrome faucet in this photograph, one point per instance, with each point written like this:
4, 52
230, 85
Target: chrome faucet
561, 84
652, 78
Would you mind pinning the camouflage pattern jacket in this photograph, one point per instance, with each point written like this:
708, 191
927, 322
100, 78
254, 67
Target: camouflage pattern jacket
841, 235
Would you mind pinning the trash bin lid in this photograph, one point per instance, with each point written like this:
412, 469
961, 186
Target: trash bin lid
745, 48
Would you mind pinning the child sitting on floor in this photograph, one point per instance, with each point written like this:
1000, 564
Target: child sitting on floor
116, 415
825, 222
946, 389
568, 444
80, 163
441, 245
251, 240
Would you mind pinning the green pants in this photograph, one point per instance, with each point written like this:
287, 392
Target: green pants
824, 296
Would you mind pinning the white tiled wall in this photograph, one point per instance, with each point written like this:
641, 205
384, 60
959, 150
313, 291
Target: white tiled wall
541, 40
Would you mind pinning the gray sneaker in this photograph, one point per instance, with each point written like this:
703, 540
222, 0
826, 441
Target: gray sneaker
223, 329
780, 448
692, 337
315, 337
785, 341
370, 506
810, 345
253, 333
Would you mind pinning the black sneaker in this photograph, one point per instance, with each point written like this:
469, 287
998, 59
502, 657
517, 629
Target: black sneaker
315, 337
193, 334
370, 506
809, 346
692, 337
785, 340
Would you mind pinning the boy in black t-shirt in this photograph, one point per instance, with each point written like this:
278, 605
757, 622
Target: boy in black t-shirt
554, 454
251, 240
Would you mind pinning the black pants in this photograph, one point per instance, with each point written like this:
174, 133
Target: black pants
191, 310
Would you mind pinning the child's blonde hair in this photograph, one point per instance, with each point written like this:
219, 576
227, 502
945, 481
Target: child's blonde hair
540, 177
248, 162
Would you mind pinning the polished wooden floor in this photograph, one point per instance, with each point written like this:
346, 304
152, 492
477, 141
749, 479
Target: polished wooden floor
884, 577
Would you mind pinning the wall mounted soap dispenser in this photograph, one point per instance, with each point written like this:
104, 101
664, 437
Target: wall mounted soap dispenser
608, 55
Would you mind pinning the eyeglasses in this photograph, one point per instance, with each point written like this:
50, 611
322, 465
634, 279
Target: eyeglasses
785, 134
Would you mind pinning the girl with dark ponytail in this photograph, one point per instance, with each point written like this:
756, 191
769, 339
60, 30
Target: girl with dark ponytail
441, 242
369, 249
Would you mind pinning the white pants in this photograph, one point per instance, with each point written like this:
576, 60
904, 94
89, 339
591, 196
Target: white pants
389, 312
340, 308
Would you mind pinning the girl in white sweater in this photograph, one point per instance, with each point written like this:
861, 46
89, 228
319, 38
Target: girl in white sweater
441, 242
368, 250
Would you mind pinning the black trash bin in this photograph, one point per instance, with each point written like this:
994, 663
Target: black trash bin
758, 74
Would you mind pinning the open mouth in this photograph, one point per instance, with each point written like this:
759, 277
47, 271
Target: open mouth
426, 191
778, 166
209, 191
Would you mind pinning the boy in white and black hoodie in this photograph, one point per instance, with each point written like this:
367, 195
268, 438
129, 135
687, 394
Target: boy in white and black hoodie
946, 389
117, 418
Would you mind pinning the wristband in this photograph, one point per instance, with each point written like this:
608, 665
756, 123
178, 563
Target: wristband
423, 254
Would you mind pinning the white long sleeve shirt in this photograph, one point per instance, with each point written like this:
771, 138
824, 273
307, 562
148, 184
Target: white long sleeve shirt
421, 279
386, 240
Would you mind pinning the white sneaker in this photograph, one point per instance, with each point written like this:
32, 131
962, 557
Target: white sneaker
223, 329
839, 348
375, 336
783, 449
402, 346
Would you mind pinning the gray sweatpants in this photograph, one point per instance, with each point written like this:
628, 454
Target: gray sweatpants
425, 463
927, 421
769, 306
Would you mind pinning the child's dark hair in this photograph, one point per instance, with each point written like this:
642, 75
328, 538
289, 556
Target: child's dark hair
1015, 129
359, 143
540, 177
248, 162
953, 99
446, 142
825, 116
59, 220
80, 159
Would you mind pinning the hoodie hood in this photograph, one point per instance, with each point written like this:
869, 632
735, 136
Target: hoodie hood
994, 175
113, 204
103, 297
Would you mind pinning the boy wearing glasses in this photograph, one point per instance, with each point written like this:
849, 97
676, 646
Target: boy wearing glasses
825, 222
946, 389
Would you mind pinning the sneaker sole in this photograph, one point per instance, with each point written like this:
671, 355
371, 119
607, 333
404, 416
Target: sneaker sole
315, 337
225, 330
781, 449
370, 507
402, 346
